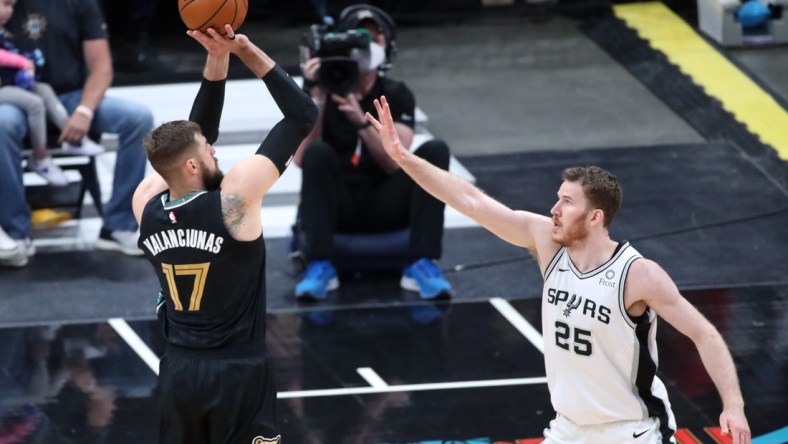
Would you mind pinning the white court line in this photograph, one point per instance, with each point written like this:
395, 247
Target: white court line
371, 377
378, 385
411, 387
136, 344
519, 322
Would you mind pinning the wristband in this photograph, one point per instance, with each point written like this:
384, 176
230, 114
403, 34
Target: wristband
85, 111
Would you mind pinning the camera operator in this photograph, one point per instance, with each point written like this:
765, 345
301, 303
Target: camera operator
349, 184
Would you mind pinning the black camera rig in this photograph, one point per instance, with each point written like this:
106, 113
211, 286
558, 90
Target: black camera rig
338, 73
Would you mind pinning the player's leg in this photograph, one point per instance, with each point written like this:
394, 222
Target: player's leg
181, 407
563, 431
246, 408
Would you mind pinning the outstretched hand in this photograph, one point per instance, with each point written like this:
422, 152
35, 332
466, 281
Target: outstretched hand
217, 44
388, 133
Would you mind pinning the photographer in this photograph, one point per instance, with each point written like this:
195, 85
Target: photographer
349, 183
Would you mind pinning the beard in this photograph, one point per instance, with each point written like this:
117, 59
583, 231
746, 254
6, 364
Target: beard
211, 179
572, 234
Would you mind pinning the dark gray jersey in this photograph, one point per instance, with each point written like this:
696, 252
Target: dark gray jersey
213, 286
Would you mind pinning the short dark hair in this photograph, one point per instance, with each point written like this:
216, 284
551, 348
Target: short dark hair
601, 187
168, 143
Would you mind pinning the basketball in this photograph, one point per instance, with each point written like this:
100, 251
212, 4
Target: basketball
203, 14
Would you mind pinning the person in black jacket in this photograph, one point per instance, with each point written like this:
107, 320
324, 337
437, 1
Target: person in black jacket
349, 183
201, 231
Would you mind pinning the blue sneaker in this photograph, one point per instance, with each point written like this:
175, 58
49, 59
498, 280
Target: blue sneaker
319, 278
426, 278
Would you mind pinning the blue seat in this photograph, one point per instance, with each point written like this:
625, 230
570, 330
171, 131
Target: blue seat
357, 251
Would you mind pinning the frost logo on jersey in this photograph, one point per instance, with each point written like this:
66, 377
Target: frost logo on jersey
572, 304
606, 281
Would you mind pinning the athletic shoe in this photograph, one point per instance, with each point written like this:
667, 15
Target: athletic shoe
8, 247
119, 240
426, 278
85, 148
47, 169
319, 278
24, 251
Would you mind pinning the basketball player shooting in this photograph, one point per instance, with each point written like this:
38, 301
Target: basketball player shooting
599, 341
201, 231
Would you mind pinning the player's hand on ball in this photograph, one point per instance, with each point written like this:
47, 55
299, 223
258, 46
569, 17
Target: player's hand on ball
215, 43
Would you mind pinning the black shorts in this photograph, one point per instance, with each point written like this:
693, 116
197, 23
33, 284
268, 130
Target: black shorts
217, 397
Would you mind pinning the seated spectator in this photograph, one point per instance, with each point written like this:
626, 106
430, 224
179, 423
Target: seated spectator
18, 86
73, 35
349, 183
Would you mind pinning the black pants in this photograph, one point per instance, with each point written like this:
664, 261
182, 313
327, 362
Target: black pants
217, 397
329, 204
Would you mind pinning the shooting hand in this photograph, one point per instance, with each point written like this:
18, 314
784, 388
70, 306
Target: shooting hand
217, 44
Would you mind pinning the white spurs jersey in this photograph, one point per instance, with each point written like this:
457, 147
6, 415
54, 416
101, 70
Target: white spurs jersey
600, 362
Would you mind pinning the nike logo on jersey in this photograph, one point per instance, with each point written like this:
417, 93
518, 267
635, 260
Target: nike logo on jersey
563, 269
406, 117
638, 435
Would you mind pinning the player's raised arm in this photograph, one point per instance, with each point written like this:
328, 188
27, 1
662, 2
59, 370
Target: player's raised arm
208, 104
251, 178
521, 228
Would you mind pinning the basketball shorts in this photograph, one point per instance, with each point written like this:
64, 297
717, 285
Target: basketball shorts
647, 431
217, 397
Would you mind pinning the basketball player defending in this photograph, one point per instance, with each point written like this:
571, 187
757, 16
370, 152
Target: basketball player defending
202, 233
600, 302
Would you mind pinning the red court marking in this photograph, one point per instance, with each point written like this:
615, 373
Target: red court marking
717, 436
684, 436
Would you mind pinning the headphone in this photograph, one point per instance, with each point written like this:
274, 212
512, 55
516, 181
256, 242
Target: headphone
349, 19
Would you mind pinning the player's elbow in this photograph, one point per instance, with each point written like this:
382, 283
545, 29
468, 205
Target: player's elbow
307, 118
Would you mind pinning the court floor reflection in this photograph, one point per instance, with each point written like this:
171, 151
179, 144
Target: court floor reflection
415, 373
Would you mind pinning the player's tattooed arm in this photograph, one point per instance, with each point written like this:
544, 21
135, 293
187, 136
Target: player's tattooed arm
233, 212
